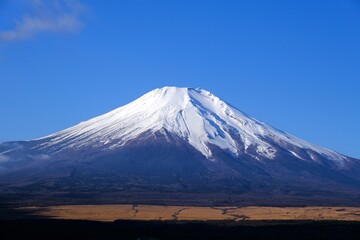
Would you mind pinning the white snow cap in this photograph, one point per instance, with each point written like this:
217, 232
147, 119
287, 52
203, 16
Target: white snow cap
193, 114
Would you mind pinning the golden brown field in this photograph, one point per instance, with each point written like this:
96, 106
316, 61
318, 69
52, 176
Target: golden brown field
152, 212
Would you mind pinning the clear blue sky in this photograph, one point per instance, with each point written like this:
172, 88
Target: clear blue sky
292, 64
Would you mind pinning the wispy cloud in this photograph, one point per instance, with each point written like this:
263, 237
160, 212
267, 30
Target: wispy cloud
59, 16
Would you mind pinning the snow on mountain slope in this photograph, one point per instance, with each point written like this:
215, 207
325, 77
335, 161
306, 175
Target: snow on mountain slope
194, 115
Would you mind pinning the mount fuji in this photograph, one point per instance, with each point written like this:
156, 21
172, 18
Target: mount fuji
176, 145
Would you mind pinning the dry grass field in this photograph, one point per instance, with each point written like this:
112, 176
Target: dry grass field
152, 212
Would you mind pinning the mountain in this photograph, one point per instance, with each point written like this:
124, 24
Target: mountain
176, 145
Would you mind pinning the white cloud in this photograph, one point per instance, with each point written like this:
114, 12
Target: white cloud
47, 16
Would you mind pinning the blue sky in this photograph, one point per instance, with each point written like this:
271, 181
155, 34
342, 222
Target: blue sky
292, 64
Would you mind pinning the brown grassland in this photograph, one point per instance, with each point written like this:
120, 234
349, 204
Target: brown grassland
153, 212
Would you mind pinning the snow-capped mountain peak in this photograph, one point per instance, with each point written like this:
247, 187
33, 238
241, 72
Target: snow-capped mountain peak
172, 142
195, 115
